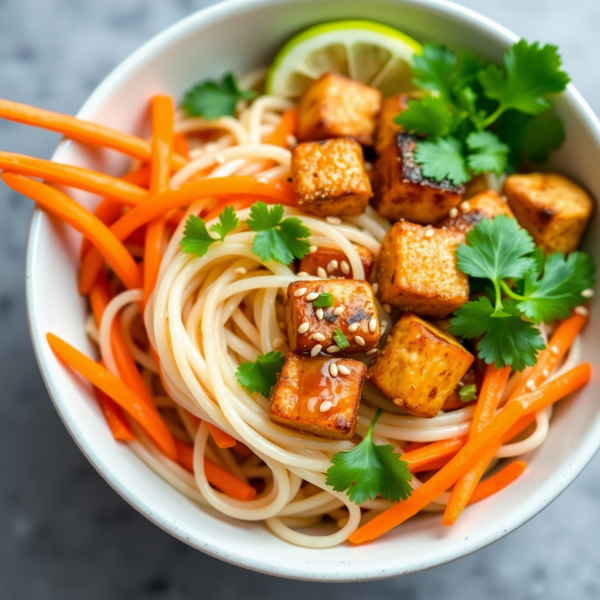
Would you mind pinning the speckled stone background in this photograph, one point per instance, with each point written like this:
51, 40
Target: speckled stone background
64, 534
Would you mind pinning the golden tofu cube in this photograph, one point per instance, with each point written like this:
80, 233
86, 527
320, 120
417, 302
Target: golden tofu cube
312, 395
417, 270
554, 209
386, 128
353, 313
329, 178
419, 366
487, 205
401, 190
476, 185
331, 261
335, 106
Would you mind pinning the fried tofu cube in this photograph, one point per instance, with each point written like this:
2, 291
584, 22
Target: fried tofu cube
476, 185
312, 329
417, 270
419, 366
319, 395
333, 261
402, 192
329, 178
386, 128
554, 209
335, 106
487, 205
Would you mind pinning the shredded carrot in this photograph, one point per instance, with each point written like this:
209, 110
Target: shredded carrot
521, 425
414, 446
222, 438
163, 123
107, 245
237, 204
498, 481
180, 144
434, 465
114, 417
243, 449
123, 395
82, 131
466, 458
285, 128
432, 452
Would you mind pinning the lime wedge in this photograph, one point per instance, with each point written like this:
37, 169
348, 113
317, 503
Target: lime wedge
369, 52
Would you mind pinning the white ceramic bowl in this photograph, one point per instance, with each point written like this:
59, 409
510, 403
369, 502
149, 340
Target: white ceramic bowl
238, 36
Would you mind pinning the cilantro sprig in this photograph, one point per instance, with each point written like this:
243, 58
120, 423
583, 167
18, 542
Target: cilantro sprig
525, 290
484, 118
368, 471
211, 99
260, 375
197, 239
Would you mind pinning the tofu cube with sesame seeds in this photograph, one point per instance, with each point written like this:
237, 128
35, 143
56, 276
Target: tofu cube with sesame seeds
329, 178
401, 190
386, 128
326, 262
419, 366
353, 313
553, 208
417, 270
318, 395
335, 106
487, 205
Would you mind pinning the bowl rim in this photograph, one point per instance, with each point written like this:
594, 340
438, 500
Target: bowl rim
364, 572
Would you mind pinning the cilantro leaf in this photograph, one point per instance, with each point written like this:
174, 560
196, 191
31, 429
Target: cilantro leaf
277, 240
468, 393
429, 116
261, 375
442, 158
531, 72
325, 300
368, 470
196, 239
433, 68
228, 221
489, 153
552, 294
211, 99
466, 71
340, 339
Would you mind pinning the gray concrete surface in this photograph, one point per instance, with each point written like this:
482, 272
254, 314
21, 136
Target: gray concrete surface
64, 534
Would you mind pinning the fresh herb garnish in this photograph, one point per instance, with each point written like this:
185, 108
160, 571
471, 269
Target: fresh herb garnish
468, 393
275, 239
340, 339
197, 240
523, 285
260, 375
325, 300
211, 99
369, 470
484, 118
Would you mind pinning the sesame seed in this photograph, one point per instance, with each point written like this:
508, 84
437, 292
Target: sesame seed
387, 308
453, 212
555, 350
319, 314
582, 310
325, 406
291, 140
281, 325
303, 328
333, 349
339, 310
589, 293
300, 292
316, 349
332, 266
277, 343
334, 220
344, 370
545, 372
219, 158
429, 233
345, 267
372, 324
302, 274
321, 272
240, 271
530, 385
382, 324
418, 336
359, 340
333, 277
371, 351
262, 180
355, 247
318, 337
333, 370
375, 287
312, 249
312, 296
401, 219
368, 165
352, 328
465, 206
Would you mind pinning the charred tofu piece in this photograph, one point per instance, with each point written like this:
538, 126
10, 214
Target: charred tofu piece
329, 178
401, 191
319, 395
417, 270
315, 329
325, 262
335, 106
554, 209
419, 366
386, 128
453, 401
482, 206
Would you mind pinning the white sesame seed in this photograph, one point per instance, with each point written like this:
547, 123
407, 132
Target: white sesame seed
429, 233
359, 340
401, 219
371, 351
334, 220
291, 140
219, 158
372, 324
589, 293
453, 212
262, 180
240, 271
355, 247
332, 266
333, 277
319, 314
312, 249
339, 310
325, 406
277, 343
344, 370
316, 349
321, 272
281, 325
375, 287
530, 385
368, 165
300, 292
387, 308
555, 350
333, 349
333, 370
428, 226
382, 324
302, 274
312, 296
418, 336
465, 206
582, 310
318, 337
545, 372
352, 328
444, 228
345, 267
304, 327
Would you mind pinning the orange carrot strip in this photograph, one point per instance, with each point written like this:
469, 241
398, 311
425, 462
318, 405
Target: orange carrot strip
180, 144
77, 177
82, 131
222, 438
217, 476
414, 446
243, 449
237, 204
114, 417
521, 425
433, 451
286, 127
65, 208
123, 395
466, 458
273, 192
434, 465
499, 481
163, 122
